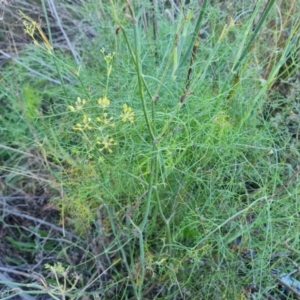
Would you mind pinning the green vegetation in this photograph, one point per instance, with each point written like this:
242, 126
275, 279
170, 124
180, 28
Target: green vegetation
167, 146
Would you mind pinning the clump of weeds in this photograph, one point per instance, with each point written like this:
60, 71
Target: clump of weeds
177, 153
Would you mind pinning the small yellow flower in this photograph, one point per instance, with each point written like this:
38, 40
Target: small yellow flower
108, 57
29, 28
106, 121
103, 102
78, 105
56, 268
78, 126
71, 108
86, 124
107, 143
127, 114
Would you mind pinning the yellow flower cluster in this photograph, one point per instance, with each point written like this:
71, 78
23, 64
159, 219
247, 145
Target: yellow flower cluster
106, 142
106, 121
29, 28
32, 28
86, 124
78, 104
103, 102
127, 114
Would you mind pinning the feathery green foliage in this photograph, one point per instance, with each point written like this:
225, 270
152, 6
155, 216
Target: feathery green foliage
169, 152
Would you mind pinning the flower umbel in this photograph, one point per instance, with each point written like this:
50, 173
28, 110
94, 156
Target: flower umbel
32, 28
107, 143
78, 104
108, 57
86, 124
127, 114
106, 121
103, 102
56, 268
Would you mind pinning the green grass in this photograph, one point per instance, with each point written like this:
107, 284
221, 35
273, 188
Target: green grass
173, 199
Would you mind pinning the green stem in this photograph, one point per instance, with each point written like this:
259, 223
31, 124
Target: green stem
255, 33
121, 247
153, 168
291, 42
142, 260
153, 171
195, 34
47, 22
229, 82
166, 221
136, 60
